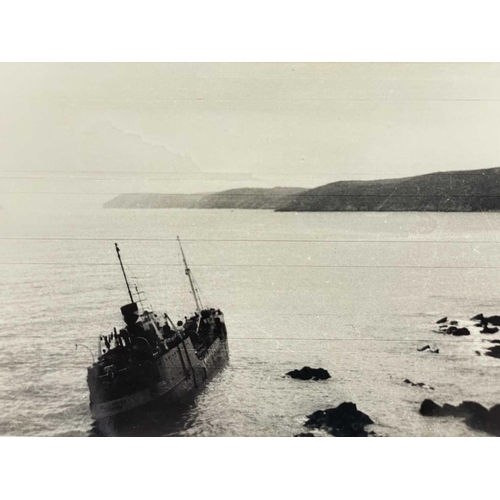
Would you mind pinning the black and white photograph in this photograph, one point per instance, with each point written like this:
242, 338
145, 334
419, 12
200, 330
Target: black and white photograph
250, 249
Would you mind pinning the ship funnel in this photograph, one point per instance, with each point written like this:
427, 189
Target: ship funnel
130, 313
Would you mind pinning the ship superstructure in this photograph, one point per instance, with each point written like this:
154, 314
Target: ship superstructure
151, 358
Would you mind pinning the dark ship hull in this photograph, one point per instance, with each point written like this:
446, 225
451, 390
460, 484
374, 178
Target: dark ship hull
152, 360
182, 373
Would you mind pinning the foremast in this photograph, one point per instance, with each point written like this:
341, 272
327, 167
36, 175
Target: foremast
196, 295
124, 275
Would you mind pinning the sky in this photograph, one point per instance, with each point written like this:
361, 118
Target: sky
81, 132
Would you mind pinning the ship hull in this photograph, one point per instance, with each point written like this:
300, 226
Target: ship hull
182, 373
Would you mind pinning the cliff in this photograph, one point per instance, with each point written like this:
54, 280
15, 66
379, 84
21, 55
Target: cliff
249, 198
245, 198
456, 191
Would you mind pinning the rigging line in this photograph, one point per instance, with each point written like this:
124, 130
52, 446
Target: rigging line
242, 240
155, 101
277, 340
285, 266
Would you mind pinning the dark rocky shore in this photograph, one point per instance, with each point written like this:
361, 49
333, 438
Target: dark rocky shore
476, 415
344, 421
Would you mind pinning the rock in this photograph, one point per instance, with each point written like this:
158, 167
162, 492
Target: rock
476, 415
418, 384
458, 332
428, 348
430, 409
494, 320
494, 420
487, 329
304, 435
449, 410
469, 408
442, 320
454, 323
493, 352
344, 421
308, 373
478, 353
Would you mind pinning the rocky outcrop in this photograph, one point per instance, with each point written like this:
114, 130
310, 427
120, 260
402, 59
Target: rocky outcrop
308, 373
457, 332
418, 384
487, 329
428, 348
493, 352
344, 421
476, 415
485, 320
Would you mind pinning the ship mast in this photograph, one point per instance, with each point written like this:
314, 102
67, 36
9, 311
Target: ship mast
124, 275
188, 273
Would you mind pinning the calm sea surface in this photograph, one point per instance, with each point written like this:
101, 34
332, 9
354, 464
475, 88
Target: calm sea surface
355, 293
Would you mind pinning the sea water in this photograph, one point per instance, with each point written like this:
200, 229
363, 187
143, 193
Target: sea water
354, 293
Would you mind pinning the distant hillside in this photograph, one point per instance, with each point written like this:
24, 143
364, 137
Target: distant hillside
459, 191
245, 198
152, 200
249, 198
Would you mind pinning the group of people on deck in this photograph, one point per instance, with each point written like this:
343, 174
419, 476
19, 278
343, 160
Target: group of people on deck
201, 327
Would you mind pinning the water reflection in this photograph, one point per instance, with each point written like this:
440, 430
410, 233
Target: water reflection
154, 421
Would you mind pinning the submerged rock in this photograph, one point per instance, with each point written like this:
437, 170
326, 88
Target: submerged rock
344, 421
428, 348
308, 373
418, 384
494, 320
457, 332
476, 415
487, 329
493, 352
442, 320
